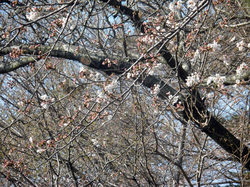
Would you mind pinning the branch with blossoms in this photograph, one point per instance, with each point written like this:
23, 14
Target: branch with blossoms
193, 110
100, 62
194, 107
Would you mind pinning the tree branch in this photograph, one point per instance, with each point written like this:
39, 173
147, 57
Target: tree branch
194, 106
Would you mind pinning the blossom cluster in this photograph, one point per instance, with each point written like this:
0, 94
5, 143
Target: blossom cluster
45, 101
109, 88
192, 3
215, 46
240, 45
33, 14
175, 6
192, 80
242, 68
85, 72
173, 99
226, 60
217, 79
101, 97
147, 39
196, 55
156, 89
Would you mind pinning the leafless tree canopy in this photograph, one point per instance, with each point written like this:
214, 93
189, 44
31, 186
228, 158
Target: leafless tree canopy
124, 93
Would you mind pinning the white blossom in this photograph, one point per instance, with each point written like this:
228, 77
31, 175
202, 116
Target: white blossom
241, 45
32, 15
95, 142
95, 76
179, 5
193, 79
210, 95
209, 80
248, 45
65, 124
109, 88
40, 150
129, 75
237, 81
31, 140
83, 69
158, 28
49, 142
20, 103
217, 79
109, 117
175, 6
215, 46
196, 55
98, 76
171, 7
156, 89
192, 3
242, 68
44, 97
63, 20
44, 105
100, 96
226, 60
173, 99
148, 39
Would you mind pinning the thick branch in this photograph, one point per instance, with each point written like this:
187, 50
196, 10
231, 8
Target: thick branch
194, 107
132, 14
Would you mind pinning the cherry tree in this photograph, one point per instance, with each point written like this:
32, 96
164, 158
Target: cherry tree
130, 93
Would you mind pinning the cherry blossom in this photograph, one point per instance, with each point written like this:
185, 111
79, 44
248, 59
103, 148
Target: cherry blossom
210, 95
192, 3
215, 46
40, 150
242, 68
33, 14
196, 55
83, 69
171, 7
179, 5
95, 142
44, 97
217, 79
129, 75
44, 105
173, 99
156, 89
109, 88
240, 45
193, 79
31, 140
20, 103
101, 97
63, 21
226, 60
175, 6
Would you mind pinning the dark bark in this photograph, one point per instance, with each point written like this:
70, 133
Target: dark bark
195, 109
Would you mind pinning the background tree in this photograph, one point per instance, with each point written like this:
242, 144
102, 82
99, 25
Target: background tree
133, 93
